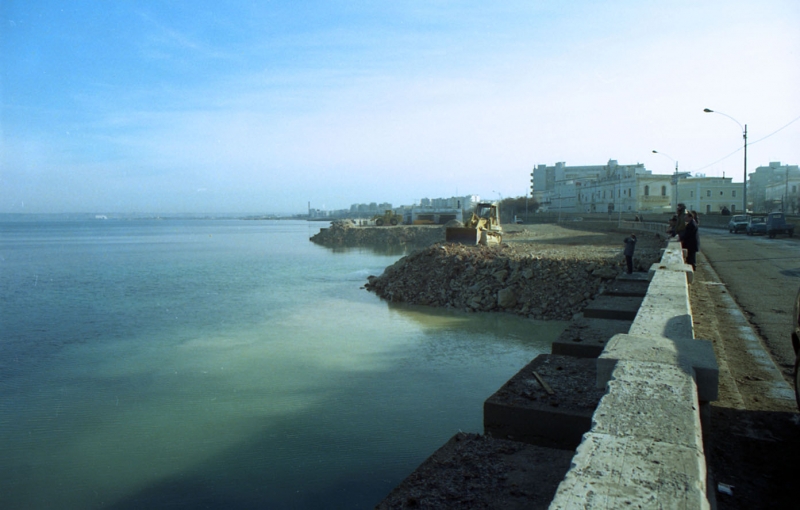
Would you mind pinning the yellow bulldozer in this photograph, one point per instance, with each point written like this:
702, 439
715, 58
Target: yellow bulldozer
482, 228
387, 218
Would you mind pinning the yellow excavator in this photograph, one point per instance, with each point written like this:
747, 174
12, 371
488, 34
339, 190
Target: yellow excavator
482, 228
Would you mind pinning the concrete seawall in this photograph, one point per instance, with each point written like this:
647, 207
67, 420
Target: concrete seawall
635, 413
645, 446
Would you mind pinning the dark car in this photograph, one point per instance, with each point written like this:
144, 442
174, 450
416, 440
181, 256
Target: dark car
738, 223
776, 224
796, 345
757, 225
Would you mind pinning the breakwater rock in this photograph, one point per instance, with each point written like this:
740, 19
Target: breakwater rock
540, 285
347, 233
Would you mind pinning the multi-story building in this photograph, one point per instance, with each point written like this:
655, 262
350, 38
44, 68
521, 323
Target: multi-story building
770, 186
629, 188
710, 194
782, 195
600, 188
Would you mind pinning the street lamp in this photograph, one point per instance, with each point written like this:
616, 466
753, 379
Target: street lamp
744, 135
675, 179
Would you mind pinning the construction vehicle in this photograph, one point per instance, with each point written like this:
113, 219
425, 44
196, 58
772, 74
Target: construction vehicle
482, 228
387, 218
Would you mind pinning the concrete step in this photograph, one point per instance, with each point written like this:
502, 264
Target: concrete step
586, 338
634, 277
613, 307
524, 410
627, 288
473, 471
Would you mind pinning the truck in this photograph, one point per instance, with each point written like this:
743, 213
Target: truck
482, 228
776, 224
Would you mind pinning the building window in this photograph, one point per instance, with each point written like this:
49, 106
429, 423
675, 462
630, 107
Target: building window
691, 194
733, 193
629, 192
708, 192
720, 193
794, 188
647, 191
708, 208
663, 191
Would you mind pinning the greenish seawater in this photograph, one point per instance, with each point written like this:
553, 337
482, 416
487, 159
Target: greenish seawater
225, 364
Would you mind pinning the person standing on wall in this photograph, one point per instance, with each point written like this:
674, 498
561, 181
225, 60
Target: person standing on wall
690, 241
681, 220
630, 245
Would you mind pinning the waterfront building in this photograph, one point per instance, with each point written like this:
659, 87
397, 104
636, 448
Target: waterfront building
600, 188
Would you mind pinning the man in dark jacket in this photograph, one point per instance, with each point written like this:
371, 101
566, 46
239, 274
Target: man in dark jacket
690, 241
630, 245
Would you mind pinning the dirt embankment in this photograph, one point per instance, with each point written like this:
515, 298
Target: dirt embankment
347, 233
540, 281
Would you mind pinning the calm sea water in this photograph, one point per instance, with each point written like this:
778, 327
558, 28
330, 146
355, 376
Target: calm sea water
225, 364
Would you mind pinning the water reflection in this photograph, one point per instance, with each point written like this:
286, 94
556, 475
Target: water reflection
377, 249
508, 327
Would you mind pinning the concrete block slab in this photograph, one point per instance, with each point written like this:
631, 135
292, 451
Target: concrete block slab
524, 410
611, 472
473, 471
634, 277
641, 396
685, 269
668, 280
698, 354
613, 307
628, 287
666, 310
586, 338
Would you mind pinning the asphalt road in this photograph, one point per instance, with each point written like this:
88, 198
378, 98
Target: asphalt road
763, 276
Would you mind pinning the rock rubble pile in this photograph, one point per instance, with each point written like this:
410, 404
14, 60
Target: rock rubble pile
498, 278
347, 233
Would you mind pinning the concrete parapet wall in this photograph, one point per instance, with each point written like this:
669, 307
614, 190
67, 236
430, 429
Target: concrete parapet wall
645, 447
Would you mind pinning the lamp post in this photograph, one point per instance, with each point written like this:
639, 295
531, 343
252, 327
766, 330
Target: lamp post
675, 179
744, 135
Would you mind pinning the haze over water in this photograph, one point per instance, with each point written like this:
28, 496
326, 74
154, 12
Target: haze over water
225, 364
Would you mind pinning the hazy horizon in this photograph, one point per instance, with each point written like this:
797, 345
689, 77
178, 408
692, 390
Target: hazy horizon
240, 108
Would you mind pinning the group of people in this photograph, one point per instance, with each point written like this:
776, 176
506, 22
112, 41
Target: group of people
686, 225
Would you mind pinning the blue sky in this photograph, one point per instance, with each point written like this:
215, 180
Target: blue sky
206, 106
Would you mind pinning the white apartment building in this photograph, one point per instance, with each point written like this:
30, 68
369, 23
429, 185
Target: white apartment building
629, 188
600, 188
710, 194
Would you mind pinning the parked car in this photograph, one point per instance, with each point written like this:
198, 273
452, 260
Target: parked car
757, 225
738, 223
776, 224
796, 345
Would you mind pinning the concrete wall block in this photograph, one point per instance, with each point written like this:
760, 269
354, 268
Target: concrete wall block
649, 392
665, 310
669, 280
611, 472
684, 269
699, 354
676, 327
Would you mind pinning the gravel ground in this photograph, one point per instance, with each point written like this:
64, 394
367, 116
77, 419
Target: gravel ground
753, 445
